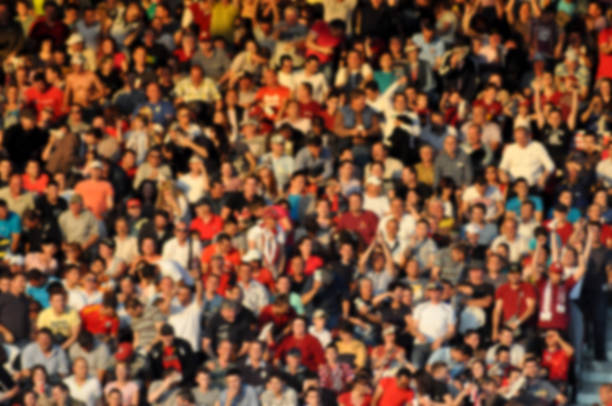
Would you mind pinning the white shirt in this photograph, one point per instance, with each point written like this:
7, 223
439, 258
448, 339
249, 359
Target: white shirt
317, 81
491, 197
174, 251
89, 393
378, 205
186, 322
526, 229
529, 162
267, 242
406, 226
126, 249
76, 298
434, 320
518, 247
341, 10
254, 296
324, 336
192, 186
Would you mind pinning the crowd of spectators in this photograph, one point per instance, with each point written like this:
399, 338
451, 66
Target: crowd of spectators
309, 202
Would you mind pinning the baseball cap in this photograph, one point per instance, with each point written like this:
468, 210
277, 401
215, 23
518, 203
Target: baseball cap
514, 267
74, 38
124, 352
133, 202
76, 198
319, 314
555, 267
95, 165
373, 180
434, 286
166, 330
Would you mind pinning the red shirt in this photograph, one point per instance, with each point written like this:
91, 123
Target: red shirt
52, 97
231, 258
309, 346
207, 230
170, 360
345, 400
272, 98
392, 394
265, 277
557, 362
96, 322
365, 224
559, 306
200, 17
492, 109
604, 69
310, 109
515, 300
564, 232
37, 185
324, 39
280, 321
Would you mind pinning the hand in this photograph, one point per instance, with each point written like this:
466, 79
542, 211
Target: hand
436, 344
514, 324
494, 336
8, 336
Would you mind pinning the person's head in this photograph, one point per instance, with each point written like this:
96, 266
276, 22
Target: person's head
229, 311
422, 229
298, 327
605, 393
450, 145
434, 291
403, 376
522, 136
166, 335
57, 300
233, 380
355, 202
531, 367
60, 393
44, 338
514, 274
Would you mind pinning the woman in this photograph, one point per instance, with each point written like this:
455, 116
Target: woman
311, 262
128, 390
268, 182
40, 384
334, 375
44, 260
231, 182
12, 106
108, 49
388, 355
109, 75
33, 179
113, 398
172, 200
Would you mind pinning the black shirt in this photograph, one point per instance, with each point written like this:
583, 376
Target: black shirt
242, 329
14, 315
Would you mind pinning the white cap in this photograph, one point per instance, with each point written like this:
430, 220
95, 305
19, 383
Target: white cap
373, 180
252, 255
75, 38
95, 165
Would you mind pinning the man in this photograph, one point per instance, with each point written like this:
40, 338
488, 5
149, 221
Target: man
43, 352
453, 163
517, 245
62, 150
10, 230
506, 339
271, 96
207, 224
14, 312
514, 204
374, 200
281, 164
536, 387
310, 348
182, 248
97, 193
78, 225
515, 303
171, 353
42, 95
186, 313
101, 319
60, 396
146, 321
83, 87
17, 199
254, 294
528, 159
236, 392
233, 322
24, 140
433, 324
214, 61
196, 89
95, 352
62, 322
316, 160
82, 386
163, 110
12, 33
311, 75
394, 391
358, 220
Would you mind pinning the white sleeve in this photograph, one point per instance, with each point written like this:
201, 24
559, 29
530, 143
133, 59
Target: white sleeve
545, 159
506, 160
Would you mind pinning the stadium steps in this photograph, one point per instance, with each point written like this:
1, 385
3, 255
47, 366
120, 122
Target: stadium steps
594, 373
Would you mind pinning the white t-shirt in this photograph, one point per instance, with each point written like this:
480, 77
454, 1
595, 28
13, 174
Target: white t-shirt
173, 251
491, 197
518, 247
186, 323
89, 393
324, 336
192, 186
434, 320
528, 162
378, 205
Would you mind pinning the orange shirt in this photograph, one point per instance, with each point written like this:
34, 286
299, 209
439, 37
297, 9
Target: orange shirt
95, 194
232, 257
37, 185
96, 322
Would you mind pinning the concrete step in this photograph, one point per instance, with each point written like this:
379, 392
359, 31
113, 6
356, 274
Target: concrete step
587, 399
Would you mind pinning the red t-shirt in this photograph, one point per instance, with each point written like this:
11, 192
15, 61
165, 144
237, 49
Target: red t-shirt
564, 232
207, 230
557, 362
309, 346
392, 394
559, 306
515, 300
265, 277
52, 97
492, 109
345, 400
365, 224
96, 322
280, 321
604, 69
170, 360
324, 39
272, 98
37, 185
310, 109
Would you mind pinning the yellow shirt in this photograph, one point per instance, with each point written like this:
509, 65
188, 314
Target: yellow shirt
222, 20
355, 348
59, 324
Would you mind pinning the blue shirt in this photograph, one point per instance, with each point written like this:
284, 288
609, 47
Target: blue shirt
163, 111
40, 293
514, 204
10, 225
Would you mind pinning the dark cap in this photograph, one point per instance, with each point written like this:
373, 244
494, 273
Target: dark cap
434, 286
476, 264
560, 207
294, 352
166, 330
314, 140
109, 242
514, 267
